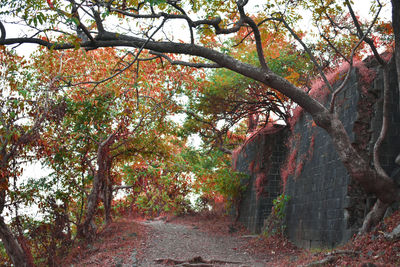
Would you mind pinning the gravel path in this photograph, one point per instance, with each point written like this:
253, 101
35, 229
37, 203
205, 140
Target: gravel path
175, 245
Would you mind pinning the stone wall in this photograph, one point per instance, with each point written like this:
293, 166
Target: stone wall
326, 207
261, 158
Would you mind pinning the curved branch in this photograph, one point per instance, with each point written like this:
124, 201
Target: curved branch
109, 39
368, 40
385, 122
3, 32
308, 51
185, 63
256, 32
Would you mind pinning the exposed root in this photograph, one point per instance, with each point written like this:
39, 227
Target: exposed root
331, 257
196, 261
374, 217
394, 235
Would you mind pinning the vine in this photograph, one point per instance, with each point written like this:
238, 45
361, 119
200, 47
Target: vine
275, 223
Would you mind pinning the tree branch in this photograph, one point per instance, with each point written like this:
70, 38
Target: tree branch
360, 31
3, 32
185, 63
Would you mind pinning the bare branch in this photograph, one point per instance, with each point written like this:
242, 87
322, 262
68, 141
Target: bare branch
256, 32
385, 121
3, 32
308, 51
368, 40
185, 63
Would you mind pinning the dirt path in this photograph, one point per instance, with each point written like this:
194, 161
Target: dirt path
171, 244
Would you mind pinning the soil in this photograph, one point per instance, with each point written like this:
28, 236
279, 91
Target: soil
173, 243
208, 240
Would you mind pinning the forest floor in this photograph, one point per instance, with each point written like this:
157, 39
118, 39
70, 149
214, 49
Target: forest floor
208, 240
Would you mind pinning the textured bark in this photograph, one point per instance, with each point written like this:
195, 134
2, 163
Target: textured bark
14, 250
358, 168
381, 185
107, 192
88, 228
385, 123
374, 216
396, 31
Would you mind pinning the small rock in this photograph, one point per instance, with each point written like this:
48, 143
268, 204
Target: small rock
132, 234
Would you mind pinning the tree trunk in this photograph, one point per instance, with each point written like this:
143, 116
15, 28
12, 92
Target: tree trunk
396, 31
14, 250
374, 216
359, 169
107, 192
87, 229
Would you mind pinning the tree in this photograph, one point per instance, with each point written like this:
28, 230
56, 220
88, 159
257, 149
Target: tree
225, 98
27, 104
107, 122
208, 25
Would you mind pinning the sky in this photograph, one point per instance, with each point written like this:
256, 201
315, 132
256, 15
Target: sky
359, 6
36, 170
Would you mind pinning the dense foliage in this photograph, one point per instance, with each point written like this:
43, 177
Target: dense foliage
97, 105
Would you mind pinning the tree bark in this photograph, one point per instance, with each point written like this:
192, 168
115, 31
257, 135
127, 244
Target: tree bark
87, 229
396, 31
108, 192
359, 169
374, 216
14, 250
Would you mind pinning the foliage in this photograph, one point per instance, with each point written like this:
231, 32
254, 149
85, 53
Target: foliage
158, 184
214, 180
133, 108
111, 120
225, 99
275, 223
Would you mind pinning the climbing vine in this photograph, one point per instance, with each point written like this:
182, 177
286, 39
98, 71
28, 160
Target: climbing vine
275, 223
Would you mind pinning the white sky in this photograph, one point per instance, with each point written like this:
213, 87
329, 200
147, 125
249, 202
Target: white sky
360, 6
36, 170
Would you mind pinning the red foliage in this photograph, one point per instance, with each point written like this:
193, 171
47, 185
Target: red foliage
367, 75
235, 137
251, 166
297, 112
50, 3
235, 155
256, 167
261, 180
117, 240
299, 168
277, 248
290, 167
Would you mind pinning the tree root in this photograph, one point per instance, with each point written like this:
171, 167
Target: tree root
196, 261
395, 234
374, 216
331, 257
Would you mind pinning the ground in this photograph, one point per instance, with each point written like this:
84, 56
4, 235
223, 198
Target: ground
210, 240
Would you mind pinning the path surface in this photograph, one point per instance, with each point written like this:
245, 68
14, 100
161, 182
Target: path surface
172, 244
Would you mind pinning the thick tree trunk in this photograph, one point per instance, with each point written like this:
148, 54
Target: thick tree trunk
14, 250
396, 31
107, 193
87, 229
359, 169
374, 216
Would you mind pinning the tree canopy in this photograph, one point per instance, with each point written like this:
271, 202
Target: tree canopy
94, 103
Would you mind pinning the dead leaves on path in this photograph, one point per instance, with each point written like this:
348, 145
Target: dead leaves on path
196, 261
